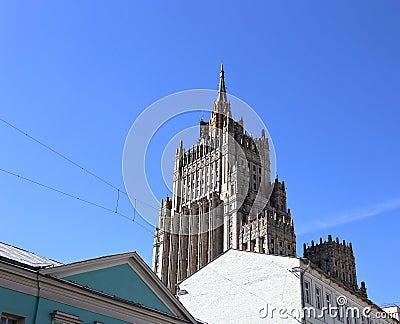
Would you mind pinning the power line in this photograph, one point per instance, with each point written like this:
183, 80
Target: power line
60, 154
74, 163
74, 197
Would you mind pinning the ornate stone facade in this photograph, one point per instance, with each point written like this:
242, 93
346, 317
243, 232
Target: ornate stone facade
223, 197
337, 260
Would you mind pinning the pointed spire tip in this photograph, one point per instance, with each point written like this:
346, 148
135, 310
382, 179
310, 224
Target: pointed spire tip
221, 87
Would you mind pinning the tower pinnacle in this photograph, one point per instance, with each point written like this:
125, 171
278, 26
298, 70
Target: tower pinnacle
221, 88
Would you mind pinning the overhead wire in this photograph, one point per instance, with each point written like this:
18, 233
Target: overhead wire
74, 197
119, 190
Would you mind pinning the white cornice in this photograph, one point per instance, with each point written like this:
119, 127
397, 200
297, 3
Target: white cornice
156, 284
26, 281
92, 301
88, 265
137, 265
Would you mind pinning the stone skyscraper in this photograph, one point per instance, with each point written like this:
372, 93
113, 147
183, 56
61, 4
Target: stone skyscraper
223, 197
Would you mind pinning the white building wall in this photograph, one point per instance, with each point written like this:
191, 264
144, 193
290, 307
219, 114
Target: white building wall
393, 311
352, 308
243, 287
247, 287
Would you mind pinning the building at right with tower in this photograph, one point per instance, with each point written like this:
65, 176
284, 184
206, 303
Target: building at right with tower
247, 287
227, 235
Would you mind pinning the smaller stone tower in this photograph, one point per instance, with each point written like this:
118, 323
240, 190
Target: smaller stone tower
337, 260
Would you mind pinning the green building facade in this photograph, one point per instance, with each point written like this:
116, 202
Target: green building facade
113, 289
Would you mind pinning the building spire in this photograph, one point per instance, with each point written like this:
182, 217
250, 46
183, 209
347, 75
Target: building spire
221, 88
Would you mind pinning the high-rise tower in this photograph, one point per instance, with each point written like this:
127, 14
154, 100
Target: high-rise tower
223, 197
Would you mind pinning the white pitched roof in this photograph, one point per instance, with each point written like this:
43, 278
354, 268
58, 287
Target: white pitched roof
22, 257
236, 286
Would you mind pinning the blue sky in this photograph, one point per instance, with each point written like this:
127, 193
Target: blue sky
323, 75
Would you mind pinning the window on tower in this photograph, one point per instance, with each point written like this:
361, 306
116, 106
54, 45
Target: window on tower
307, 292
261, 245
252, 245
318, 297
328, 300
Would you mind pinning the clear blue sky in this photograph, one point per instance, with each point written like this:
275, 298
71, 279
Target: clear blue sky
323, 75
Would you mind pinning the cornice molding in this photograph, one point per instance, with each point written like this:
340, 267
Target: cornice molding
58, 290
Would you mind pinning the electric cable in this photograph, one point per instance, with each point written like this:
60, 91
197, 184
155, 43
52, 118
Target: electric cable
73, 162
74, 197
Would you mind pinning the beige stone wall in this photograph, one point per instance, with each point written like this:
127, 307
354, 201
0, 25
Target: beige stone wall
335, 258
221, 192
